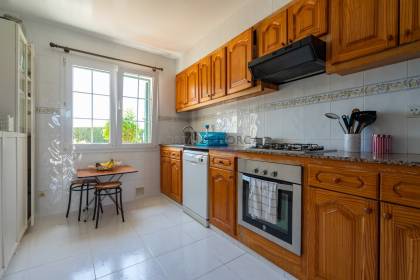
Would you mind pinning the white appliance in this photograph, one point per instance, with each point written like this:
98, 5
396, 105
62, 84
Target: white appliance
195, 185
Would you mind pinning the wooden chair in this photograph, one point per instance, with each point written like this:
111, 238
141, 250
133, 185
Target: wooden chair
81, 185
109, 189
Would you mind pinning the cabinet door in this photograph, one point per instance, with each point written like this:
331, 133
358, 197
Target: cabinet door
409, 21
165, 175
9, 208
22, 186
223, 200
192, 85
272, 33
362, 27
176, 180
307, 17
239, 53
343, 236
400, 242
218, 73
204, 79
181, 91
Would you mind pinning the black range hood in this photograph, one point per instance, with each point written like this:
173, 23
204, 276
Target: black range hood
301, 59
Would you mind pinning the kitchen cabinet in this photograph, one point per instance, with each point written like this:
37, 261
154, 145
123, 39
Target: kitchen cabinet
272, 33
400, 242
239, 54
171, 173
362, 27
204, 79
176, 180
343, 236
181, 91
409, 21
307, 17
222, 192
218, 73
192, 85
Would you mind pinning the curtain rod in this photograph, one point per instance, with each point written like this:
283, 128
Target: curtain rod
68, 50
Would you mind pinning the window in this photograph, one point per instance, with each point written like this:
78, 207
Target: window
91, 106
110, 106
137, 103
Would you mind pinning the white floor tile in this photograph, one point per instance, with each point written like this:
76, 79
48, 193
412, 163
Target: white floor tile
250, 268
221, 273
189, 262
196, 230
222, 248
167, 240
147, 270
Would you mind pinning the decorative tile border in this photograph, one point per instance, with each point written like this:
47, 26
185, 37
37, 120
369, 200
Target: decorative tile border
367, 90
48, 110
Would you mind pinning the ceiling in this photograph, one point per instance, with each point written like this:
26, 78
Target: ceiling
168, 27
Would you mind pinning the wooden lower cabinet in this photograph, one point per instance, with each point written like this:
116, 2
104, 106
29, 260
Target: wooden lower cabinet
171, 174
343, 236
222, 195
400, 242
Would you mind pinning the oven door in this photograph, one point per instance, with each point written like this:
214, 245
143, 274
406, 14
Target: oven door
285, 229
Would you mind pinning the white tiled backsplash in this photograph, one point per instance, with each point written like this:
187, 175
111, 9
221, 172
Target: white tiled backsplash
282, 115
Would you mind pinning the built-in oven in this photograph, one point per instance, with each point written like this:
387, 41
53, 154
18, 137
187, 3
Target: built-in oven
269, 201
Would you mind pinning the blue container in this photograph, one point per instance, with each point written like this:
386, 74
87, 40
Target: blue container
212, 139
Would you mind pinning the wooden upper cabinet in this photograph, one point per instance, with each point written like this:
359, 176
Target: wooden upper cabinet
362, 27
192, 85
343, 237
204, 79
409, 21
239, 53
218, 73
307, 17
181, 91
400, 242
272, 33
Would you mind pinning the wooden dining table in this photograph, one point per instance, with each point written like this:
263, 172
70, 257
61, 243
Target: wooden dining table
115, 174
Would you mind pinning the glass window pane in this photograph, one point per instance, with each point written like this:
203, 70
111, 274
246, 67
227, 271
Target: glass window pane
82, 79
141, 132
129, 131
130, 86
141, 110
143, 86
101, 82
130, 108
101, 107
82, 131
82, 105
101, 131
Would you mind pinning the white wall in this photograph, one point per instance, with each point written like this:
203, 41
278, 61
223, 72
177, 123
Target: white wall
304, 122
55, 165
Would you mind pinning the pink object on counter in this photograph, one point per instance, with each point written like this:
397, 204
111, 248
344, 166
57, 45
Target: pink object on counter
381, 144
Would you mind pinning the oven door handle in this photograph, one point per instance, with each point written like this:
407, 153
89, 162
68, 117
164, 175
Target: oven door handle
280, 186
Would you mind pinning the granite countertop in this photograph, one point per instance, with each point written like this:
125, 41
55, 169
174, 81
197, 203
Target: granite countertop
392, 159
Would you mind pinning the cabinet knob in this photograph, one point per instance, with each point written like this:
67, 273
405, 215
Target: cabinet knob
274, 174
336, 180
407, 32
283, 44
265, 172
290, 41
387, 216
368, 210
256, 170
390, 37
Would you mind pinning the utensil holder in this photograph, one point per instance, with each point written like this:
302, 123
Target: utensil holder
352, 143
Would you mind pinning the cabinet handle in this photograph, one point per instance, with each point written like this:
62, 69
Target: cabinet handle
336, 180
221, 162
290, 41
390, 37
283, 44
387, 216
368, 210
407, 32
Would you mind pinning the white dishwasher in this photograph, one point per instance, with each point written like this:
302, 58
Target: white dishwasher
195, 185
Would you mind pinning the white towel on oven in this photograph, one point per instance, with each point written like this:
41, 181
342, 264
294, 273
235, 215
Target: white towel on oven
269, 202
254, 198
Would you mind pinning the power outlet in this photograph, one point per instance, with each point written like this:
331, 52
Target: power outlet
139, 191
414, 111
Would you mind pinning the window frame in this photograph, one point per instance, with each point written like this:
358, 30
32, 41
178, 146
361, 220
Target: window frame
116, 86
153, 121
